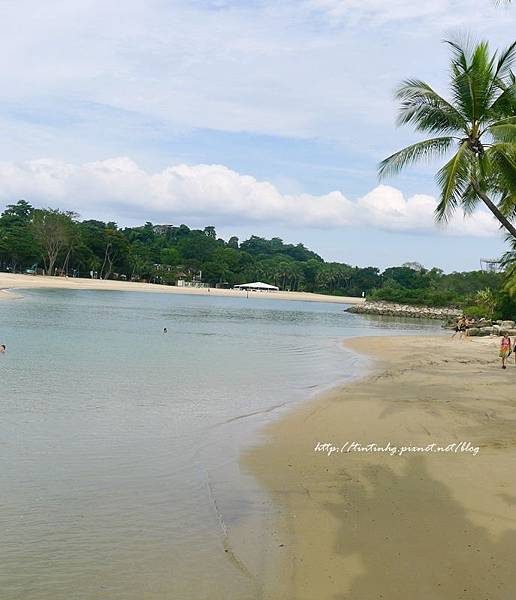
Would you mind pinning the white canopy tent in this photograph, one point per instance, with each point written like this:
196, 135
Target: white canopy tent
257, 285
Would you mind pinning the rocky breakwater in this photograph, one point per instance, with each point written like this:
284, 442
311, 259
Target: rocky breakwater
485, 327
392, 309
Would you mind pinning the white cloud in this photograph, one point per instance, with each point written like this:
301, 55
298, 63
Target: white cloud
263, 67
379, 10
216, 193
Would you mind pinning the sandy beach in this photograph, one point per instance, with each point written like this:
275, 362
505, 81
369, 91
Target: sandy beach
431, 525
10, 281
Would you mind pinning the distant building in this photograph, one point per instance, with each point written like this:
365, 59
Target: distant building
191, 284
415, 266
492, 265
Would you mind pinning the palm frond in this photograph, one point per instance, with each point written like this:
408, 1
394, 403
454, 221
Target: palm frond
453, 179
504, 102
506, 61
424, 150
426, 109
478, 80
509, 264
483, 82
505, 121
502, 157
504, 132
462, 95
507, 205
469, 199
461, 53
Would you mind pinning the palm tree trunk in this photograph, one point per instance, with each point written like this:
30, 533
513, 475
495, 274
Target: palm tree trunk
495, 210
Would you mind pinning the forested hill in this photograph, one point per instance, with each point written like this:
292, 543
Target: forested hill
57, 242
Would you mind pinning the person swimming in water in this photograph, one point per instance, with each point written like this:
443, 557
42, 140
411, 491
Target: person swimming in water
3, 348
165, 330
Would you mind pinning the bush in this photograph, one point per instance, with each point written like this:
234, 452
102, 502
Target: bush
422, 297
474, 312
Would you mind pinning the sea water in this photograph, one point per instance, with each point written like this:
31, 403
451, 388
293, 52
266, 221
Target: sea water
119, 443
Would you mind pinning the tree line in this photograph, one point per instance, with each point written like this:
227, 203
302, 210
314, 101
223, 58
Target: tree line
56, 242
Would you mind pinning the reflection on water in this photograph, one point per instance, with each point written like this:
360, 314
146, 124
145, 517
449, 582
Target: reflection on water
119, 470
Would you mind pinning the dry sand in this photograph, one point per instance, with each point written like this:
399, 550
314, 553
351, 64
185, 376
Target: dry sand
426, 526
8, 280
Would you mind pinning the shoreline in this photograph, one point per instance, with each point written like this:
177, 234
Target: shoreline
9, 281
8, 294
364, 525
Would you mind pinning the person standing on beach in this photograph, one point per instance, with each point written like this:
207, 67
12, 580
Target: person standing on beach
505, 349
468, 323
460, 327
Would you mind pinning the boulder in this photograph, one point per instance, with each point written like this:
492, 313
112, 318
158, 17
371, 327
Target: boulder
485, 330
473, 331
484, 323
507, 324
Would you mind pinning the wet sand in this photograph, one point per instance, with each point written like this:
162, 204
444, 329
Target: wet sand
8, 280
371, 525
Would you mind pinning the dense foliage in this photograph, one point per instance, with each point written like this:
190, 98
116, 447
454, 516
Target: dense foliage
479, 293
57, 243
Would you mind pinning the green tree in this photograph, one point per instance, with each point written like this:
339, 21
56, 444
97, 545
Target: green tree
170, 256
116, 249
53, 230
17, 244
233, 242
406, 277
487, 301
509, 266
17, 214
210, 232
478, 123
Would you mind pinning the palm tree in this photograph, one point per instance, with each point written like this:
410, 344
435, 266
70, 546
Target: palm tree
478, 123
509, 266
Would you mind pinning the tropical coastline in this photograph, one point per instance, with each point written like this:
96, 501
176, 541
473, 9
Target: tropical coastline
258, 300
10, 281
372, 524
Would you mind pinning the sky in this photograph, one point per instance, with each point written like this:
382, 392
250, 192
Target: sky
264, 117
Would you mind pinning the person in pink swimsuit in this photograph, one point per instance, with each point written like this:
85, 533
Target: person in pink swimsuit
505, 349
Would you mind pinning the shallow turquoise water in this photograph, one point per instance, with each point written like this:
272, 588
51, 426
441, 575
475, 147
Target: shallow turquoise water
119, 475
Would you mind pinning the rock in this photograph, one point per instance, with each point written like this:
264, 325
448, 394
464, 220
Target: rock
474, 331
485, 331
484, 323
404, 310
506, 324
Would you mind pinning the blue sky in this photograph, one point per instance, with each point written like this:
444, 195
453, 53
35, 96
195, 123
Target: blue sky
258, 117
